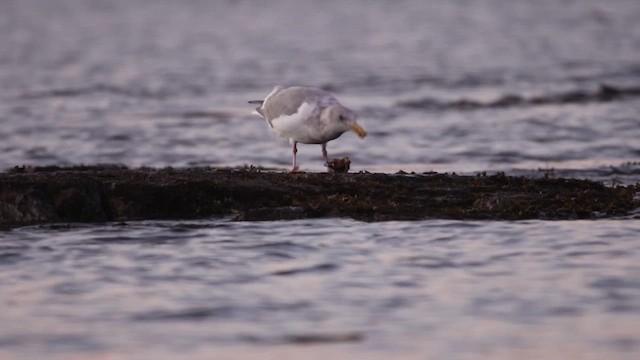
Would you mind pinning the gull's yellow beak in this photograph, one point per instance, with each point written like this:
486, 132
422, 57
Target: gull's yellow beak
358, 130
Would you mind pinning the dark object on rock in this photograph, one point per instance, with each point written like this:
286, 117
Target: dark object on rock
109, 193
339, 165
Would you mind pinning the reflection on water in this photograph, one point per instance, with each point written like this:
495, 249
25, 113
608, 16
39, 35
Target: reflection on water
440, 288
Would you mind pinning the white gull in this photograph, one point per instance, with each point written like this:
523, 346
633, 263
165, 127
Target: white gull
307, 115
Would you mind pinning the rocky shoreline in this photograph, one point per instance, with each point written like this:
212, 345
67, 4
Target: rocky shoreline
113, 193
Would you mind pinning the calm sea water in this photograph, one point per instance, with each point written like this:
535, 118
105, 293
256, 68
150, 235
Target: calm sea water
311, 289
462, 86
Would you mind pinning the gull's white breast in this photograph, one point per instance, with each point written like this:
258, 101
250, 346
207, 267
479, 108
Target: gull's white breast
302, 126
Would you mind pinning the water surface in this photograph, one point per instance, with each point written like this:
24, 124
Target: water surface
437, 289
531, 88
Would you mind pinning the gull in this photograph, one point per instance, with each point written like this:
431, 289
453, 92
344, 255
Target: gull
307, 115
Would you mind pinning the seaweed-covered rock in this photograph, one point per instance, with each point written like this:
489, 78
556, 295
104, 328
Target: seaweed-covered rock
110, 193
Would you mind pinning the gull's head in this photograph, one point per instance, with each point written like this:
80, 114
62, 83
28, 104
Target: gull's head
345, 119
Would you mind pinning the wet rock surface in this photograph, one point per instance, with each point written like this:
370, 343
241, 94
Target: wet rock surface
112, 193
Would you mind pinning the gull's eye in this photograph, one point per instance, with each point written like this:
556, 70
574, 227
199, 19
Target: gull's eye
342, 118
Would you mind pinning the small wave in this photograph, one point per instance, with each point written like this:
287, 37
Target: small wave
281, 245
315, 268
324, 338
309, 339
218, 115
10, 258
429, 262
392, 84
202, 313
96, 89
616, 283
605, 93
188, 314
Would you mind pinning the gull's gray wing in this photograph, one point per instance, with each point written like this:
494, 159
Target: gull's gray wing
287, 101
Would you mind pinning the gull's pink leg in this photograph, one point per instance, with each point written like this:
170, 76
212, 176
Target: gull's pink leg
295, 151
324, 153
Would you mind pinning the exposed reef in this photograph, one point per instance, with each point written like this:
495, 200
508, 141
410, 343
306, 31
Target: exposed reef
112, 193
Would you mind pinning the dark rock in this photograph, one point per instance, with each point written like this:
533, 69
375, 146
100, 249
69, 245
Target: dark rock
112, 193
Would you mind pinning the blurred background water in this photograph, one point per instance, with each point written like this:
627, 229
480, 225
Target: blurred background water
525, 87
162, 83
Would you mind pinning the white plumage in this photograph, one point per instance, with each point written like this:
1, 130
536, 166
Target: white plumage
307, 115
